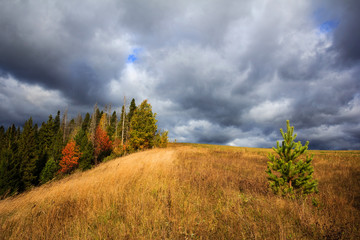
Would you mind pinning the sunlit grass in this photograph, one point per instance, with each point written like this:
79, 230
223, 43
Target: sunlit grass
188, 191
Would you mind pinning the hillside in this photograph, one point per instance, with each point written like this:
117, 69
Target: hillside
188, 191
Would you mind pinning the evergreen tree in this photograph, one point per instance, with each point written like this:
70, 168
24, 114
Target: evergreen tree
10, 180
98, 116
28, 154
2, 138
143, 127
288, 174
87, 157
86, 149
112, 126
12, 135
128, 118
9, 156
86, 123
46, 136
50, 144
131, 110
57, 123
57, 146
49, 171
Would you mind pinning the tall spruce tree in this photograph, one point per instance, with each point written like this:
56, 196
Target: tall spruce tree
288, 173
128, 118
28, 154
57, 122
86, 123
2, 137
86, 149
112, 126
12, 135
57, 146
46, 136
131, 110
98, 116
10, 179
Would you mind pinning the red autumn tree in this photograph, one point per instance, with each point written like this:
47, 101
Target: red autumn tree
70, 157
103, 144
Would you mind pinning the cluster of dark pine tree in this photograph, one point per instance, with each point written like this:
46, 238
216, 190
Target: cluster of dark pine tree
34, 155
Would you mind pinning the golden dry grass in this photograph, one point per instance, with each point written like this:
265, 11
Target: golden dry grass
188, 192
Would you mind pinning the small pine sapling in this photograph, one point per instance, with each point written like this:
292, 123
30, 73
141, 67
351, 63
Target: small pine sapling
288, 174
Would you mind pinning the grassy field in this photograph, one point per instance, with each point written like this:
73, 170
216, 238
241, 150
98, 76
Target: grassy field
188, 191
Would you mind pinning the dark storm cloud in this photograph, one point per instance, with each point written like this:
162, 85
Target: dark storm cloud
225, 72
347, 34
13, 95
343, 17
61, 46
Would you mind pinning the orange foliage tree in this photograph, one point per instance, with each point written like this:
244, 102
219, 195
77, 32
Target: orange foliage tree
103, 144
71, 155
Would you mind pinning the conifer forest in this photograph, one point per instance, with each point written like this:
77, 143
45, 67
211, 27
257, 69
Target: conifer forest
31, 155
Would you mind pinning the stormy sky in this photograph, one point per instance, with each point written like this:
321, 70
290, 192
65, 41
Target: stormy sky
215, 71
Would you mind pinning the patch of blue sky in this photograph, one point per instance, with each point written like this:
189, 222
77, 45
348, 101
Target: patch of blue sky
131, 58
134, 55
326, 21
328, 26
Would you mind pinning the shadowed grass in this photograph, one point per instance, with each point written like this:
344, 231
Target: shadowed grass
188, 191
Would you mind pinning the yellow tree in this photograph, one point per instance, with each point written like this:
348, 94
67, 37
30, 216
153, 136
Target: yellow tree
104, 121
143, 127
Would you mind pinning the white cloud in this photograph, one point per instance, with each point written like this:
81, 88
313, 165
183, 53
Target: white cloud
134, 81
270, 111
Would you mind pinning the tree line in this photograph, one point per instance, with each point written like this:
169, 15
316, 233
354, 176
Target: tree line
33, 155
